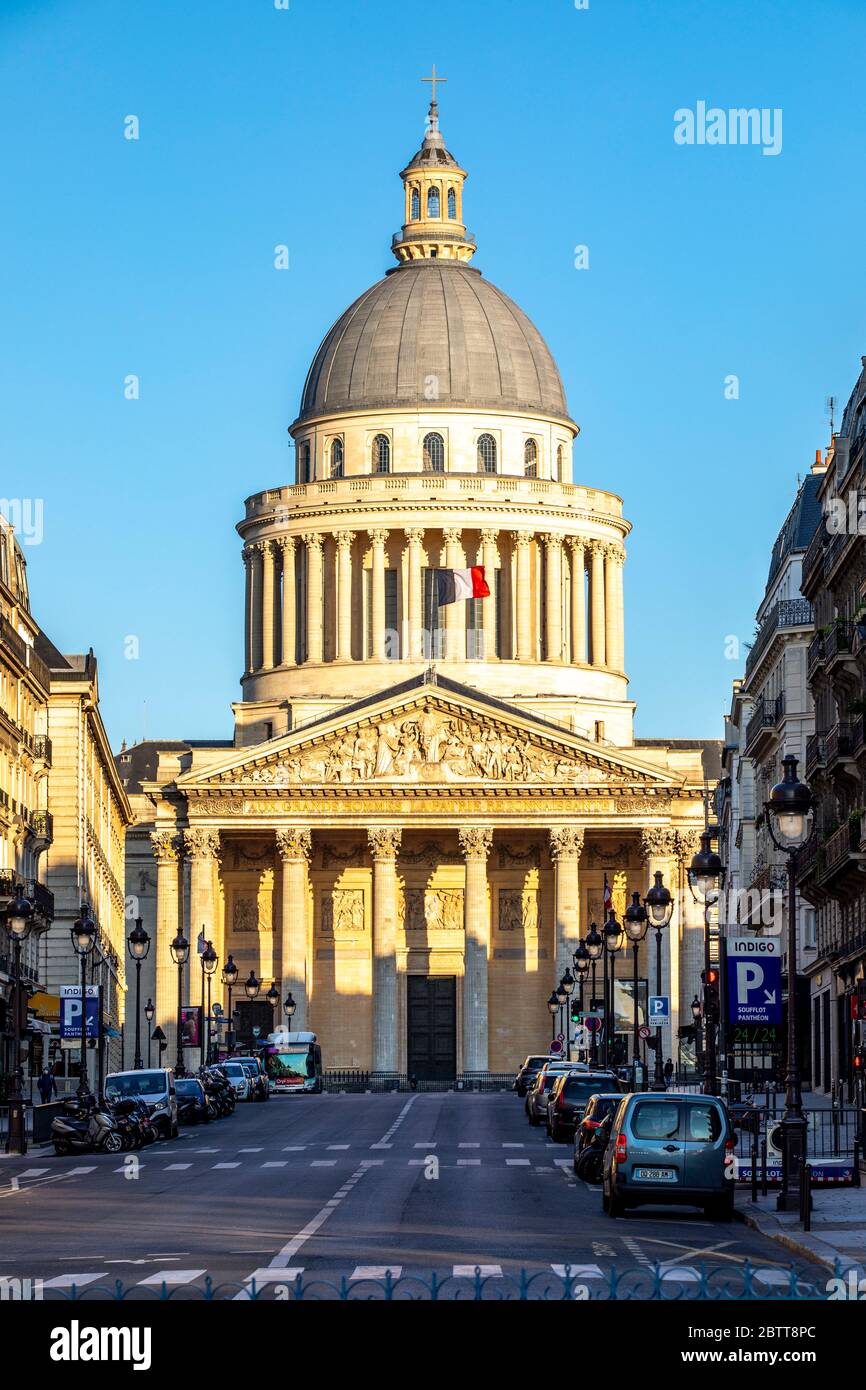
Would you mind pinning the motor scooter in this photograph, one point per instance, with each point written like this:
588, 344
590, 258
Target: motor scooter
85, 1126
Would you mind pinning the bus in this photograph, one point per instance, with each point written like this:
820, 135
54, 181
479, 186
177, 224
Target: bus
293, 1062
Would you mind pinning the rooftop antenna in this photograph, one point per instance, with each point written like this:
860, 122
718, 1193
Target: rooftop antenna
830, 410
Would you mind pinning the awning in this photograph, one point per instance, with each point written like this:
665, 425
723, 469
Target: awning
47, 1006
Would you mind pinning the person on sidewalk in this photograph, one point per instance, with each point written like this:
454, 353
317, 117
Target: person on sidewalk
668, 1071
47, 1084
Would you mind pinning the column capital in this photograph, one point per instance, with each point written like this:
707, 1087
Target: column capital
476, 841
658, 842
295, 843
166, 846
613, 551
595, 547
286, 543
577, 542
344, 539
414, 535
688, 841
378, 536
565, 842
248, 554
489, 536
314, 540
521, 539
201, 844
552, 540
384, 841
453, 535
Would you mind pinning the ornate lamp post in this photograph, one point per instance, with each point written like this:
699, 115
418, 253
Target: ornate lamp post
139, 945
553, 1005
790, 821
83, 939
635, 929
660, 906
252, 987
209, 962
594, 944
567, 984
289, 1005
20, 920
149, 1011
562, 1000
580, 960
180, 955
273, 996
612, 944
706, 874
230, 978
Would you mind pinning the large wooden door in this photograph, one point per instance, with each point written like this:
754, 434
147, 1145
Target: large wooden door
432, 1023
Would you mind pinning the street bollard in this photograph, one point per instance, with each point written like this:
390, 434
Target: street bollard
806, 1195
855, 1175
764, 1166
755, 1163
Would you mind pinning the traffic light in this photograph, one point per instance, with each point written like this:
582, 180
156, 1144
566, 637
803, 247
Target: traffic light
710, 980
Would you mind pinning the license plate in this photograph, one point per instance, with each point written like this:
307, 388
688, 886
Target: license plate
655, 1174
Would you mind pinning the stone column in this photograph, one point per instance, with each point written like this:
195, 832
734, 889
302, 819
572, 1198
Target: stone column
293, 847
378, 538
614, 556
256, 648
384, 842
202, 850
268, 632
578, 601
314, 644
566, 846
596, 603
455, 613
553, 597
248, 608
288, 640
660, 850
344, 541
166, 852
523, 597
488, 605
415, 645
475, 842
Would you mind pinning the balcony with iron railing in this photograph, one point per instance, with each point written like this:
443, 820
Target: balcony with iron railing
40, 896
766, 717
858, 735
813, 560
838, 744
837, 642
786, 613
814, 754
840, 853
815, 655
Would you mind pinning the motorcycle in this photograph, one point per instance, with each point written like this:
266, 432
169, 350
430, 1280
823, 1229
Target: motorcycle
589, 1162
133, 1120
85, 1126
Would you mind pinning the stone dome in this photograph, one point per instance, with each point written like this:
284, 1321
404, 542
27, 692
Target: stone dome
433, 333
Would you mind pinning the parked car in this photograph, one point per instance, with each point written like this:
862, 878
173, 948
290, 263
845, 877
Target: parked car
192, 1106
527, 1073
239, 1078
670, 1148
599, 1109
535, 1104
568, 1097
260, 1090
156, 1087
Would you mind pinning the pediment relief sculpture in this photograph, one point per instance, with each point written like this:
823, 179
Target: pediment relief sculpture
431, 909
426, 746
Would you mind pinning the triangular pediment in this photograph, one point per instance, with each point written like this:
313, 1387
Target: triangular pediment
427, 733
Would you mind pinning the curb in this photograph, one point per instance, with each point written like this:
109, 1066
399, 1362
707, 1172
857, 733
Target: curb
807, 1246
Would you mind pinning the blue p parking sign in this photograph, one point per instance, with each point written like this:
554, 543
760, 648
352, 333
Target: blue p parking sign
754, 980
658, 1010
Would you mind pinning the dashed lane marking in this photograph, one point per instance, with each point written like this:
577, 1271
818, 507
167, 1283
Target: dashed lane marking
172, 1276
376, 1271
78, 1281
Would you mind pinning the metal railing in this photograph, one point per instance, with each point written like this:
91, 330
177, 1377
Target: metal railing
787, 612
358, 1081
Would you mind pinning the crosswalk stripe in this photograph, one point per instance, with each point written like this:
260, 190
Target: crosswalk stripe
579, 1271
226, 1165
33, 1172
173, 1276
274, 1276
66, 1281
469, 1163
338, 1146
76, 1172
175, 1167
469, 1146
324, 1163
376, 1271
486, 1271
250, 1151
294, 1148
277, 1163
517, 1162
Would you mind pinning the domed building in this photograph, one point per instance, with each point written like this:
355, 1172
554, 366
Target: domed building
412, 827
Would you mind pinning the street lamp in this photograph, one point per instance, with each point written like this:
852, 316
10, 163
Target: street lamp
180, 955
706, 874
149, 1011
580, 960
139, 945
252, 986
19, 923
289, 1005
230, 978
273, 996
594, 944
553, 1005
635, 929
83, 933
660, 906
612, 943
567, 984
209, 961
790, 822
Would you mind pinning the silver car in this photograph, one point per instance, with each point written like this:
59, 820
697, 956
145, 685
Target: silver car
669, 1148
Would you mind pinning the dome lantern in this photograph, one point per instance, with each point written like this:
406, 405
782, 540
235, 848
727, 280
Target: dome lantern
433, 186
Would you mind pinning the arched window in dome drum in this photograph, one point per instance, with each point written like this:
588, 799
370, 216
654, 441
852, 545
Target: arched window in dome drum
560, 459
337, 459
381, 454
416, 204
433, 202
304, 464
530, 459
434, 453
486, 453
452, 205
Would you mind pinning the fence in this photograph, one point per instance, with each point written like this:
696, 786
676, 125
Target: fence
829, 1133
356, 1081
655, 1283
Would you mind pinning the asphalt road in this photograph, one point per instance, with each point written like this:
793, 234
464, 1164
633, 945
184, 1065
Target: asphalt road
343, 1187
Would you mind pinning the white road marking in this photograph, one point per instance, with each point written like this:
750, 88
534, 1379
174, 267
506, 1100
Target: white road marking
376, 1271
175, 1167
469, 1146
579, 1271
226, 1165
173, 1276
250, 1151
469, 1163
324, 1163
514, 1146
294, 1148
277, 1163
33, 1172
517, 1162
424, 1146
338, 1146
274, 1276
283, 1258
66, 1281
78, 1172
486, 1271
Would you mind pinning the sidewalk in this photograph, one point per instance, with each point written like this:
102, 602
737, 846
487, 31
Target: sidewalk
838, 1226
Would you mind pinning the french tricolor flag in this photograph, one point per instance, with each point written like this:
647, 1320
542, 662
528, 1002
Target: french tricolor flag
453, 585
608, 899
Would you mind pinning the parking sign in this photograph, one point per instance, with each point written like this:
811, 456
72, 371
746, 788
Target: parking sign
754, 980
659, 1010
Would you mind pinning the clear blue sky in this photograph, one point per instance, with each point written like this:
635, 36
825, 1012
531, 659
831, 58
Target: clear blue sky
261, 126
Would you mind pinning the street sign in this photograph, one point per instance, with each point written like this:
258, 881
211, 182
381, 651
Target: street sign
659, 1010
555, 1046
70, 1012
581, 1039
593, 1022
754, 980
644, 1032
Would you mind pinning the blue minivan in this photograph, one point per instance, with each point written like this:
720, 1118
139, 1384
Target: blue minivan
669, 1148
